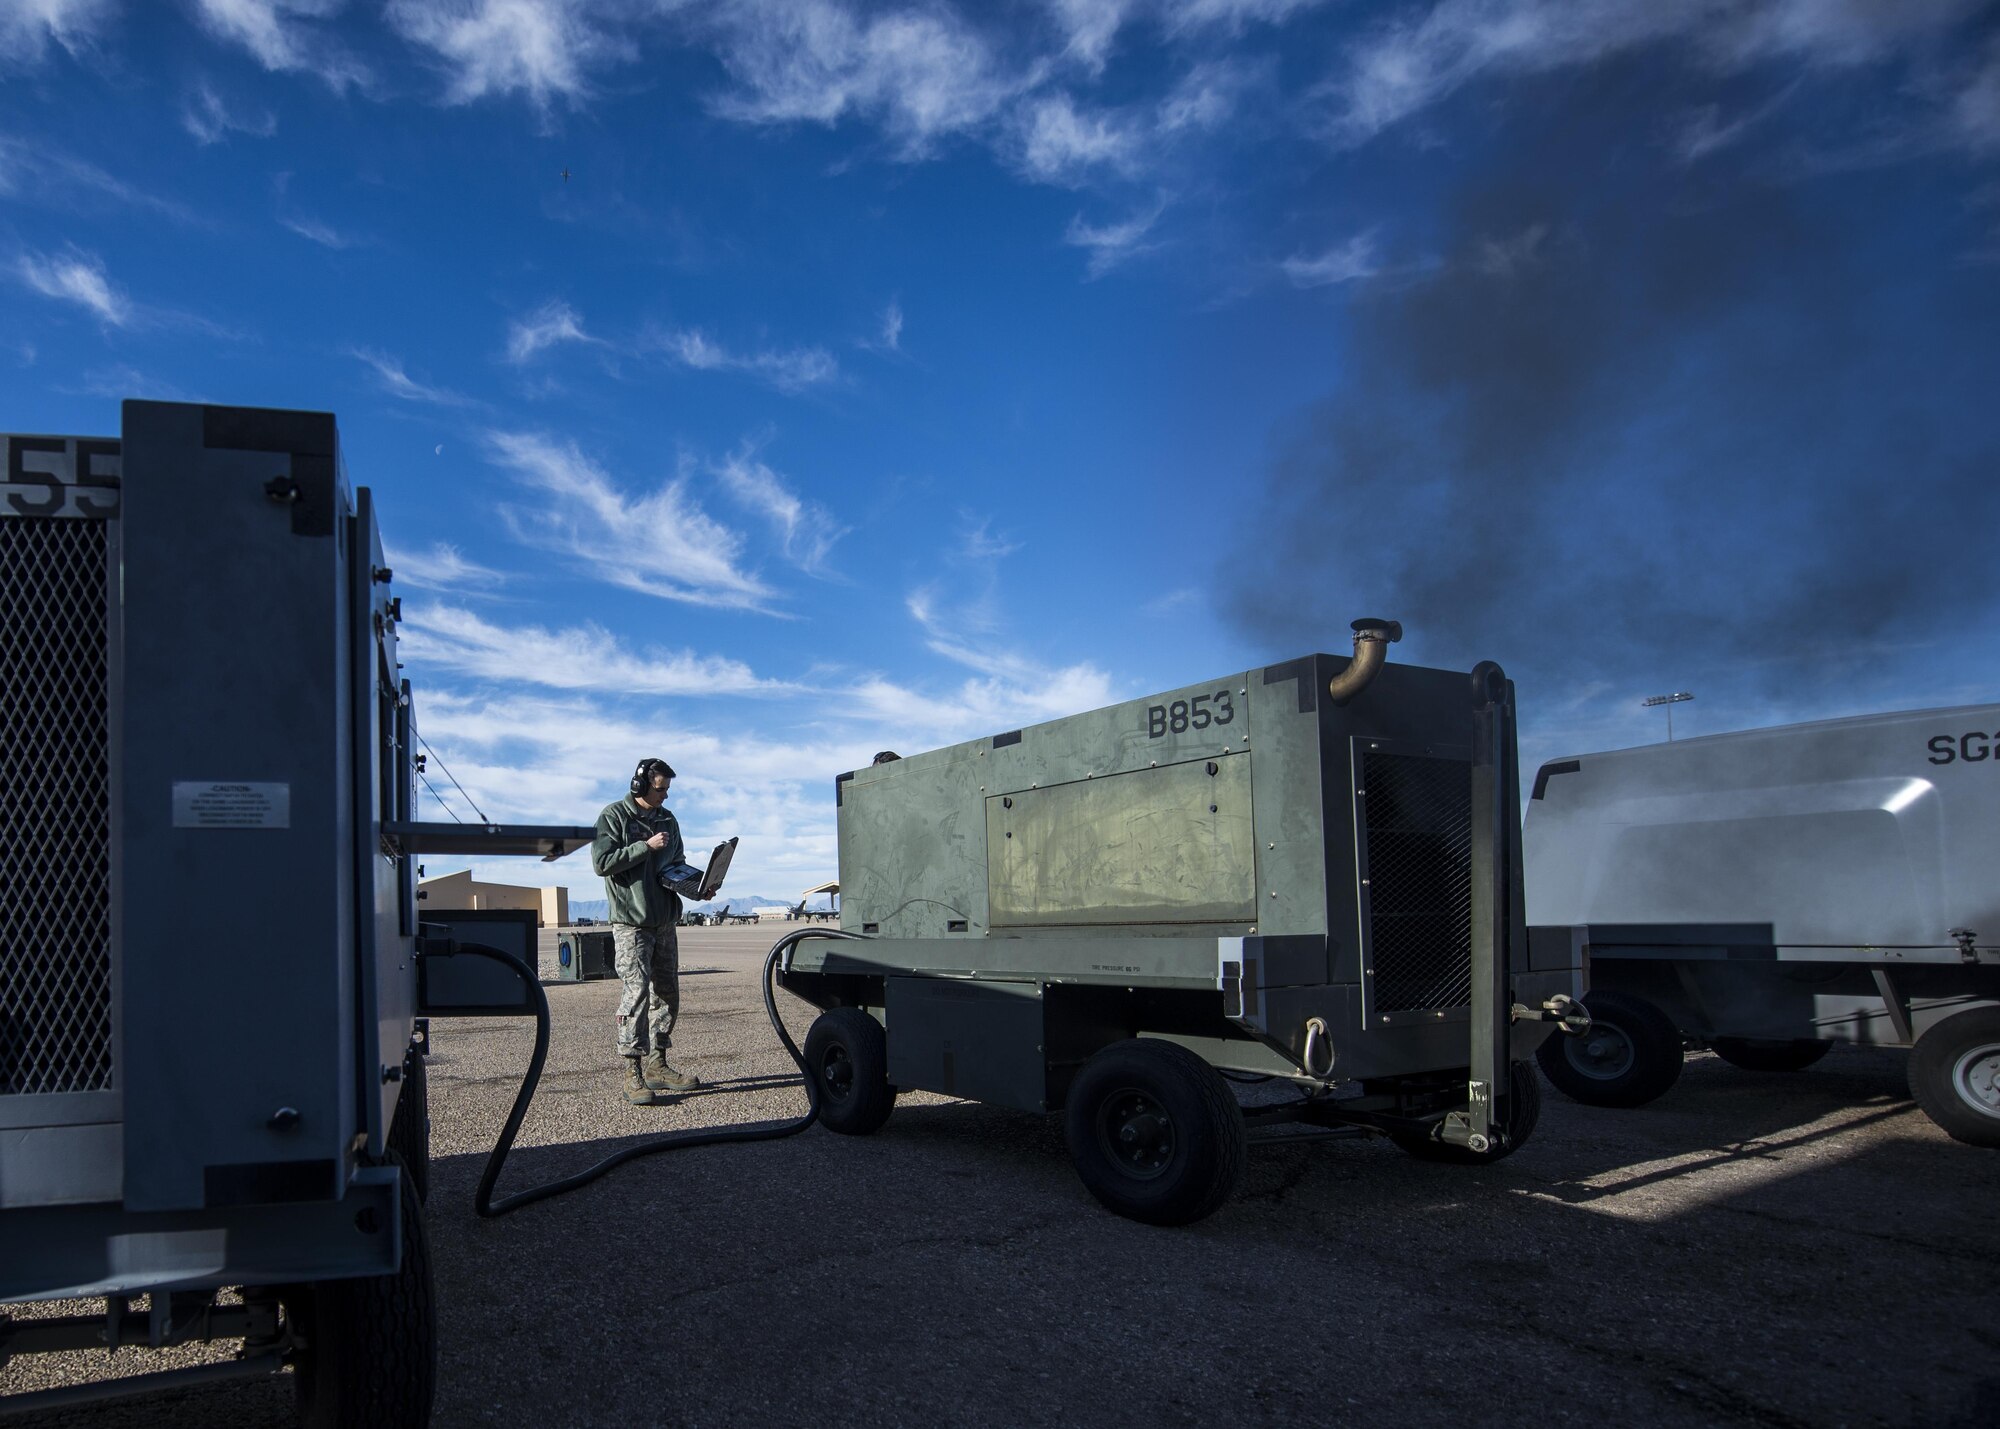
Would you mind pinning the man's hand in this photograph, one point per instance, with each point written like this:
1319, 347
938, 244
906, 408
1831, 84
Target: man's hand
657, 841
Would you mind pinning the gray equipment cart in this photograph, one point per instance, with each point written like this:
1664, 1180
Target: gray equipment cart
210, 1026
1308, 872
1772, 892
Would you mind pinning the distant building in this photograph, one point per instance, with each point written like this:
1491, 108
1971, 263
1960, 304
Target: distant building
457, 891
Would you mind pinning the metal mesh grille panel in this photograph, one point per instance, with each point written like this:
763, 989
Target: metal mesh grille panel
55, 807
1419, 824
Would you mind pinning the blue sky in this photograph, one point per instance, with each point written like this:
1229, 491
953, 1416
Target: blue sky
887, 375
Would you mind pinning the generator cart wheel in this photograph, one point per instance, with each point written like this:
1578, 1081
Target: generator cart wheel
1631, 1054
367, 1351
1155, 1132
1756, 1054
1955, 1075
410, 1129
849, 1058
1524, 1110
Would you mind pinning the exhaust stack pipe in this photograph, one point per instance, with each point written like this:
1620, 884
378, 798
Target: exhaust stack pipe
1372, 639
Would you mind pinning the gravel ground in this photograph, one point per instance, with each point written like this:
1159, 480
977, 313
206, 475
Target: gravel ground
1773, 1250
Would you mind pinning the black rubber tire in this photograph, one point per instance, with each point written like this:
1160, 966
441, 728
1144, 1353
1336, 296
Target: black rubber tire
1756, 1054
1939, 1070
1206, 1142
849, 1058
1650, 1071
410, 1128
1524, 1112
368, 1352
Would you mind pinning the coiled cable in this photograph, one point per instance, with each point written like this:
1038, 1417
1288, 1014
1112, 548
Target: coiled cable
483, 1201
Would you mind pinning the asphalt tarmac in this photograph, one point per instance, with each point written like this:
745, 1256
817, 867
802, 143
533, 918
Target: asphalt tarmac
1759, 1249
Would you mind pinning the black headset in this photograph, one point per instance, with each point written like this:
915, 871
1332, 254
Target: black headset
642, 777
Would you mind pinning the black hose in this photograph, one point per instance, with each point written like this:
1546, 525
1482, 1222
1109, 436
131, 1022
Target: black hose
483, 1201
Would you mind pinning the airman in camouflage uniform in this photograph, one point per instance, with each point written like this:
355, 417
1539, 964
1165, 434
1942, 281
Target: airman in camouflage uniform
636, 838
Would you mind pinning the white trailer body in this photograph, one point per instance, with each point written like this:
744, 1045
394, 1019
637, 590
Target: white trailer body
1770, 892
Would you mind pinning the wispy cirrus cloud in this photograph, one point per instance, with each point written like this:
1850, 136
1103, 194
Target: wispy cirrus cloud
314, 231
284, 37
57, 174
442, 568
543, 49
209, 118
578, 657
28, 27
1113, 243
75, 276
398, 383
923, 74
658, 543
806, 529
1342, 263
553, 322
1061, 143
787, 369
960, 614
1415, 60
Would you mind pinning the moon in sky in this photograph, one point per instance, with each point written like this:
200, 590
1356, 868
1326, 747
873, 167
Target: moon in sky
440, 450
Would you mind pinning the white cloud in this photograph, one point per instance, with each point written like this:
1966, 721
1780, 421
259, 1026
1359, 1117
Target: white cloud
1113, 243
553, 322
398, 383
922, 73
1342, 263
580, 657
662, 544
1090, 27
806, 528
1410, 63
282, 37
1206, 97
789, 370
54, 172
1061, 144
1975, 112
76, 277
210, 120
892, 326
120, 382
311, 228
541, 48
27, 27
442, 568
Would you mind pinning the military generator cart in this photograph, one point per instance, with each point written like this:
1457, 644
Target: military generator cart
1308, 873
211, 1017
1770, 893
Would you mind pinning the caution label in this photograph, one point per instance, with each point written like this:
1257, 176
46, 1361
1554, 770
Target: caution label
232, 806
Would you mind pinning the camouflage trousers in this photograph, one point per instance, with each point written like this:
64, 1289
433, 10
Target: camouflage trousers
649, 965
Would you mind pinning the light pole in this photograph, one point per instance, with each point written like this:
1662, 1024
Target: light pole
1669, 701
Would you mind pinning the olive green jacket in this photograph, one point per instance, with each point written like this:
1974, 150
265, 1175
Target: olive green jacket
630, 870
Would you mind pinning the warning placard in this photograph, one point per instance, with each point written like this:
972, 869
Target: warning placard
232, 806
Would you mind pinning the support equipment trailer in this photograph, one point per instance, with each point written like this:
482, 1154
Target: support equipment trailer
1770, 893
1308, 872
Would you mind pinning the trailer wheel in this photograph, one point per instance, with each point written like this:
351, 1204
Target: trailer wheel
410, 1128
367, 1351
1955, 1075
1631, 1055
849, 1058
1755, 1054
1524, 1111
1155, 1132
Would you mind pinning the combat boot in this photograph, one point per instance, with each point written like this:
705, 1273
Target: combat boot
637, 1092
663, 1078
